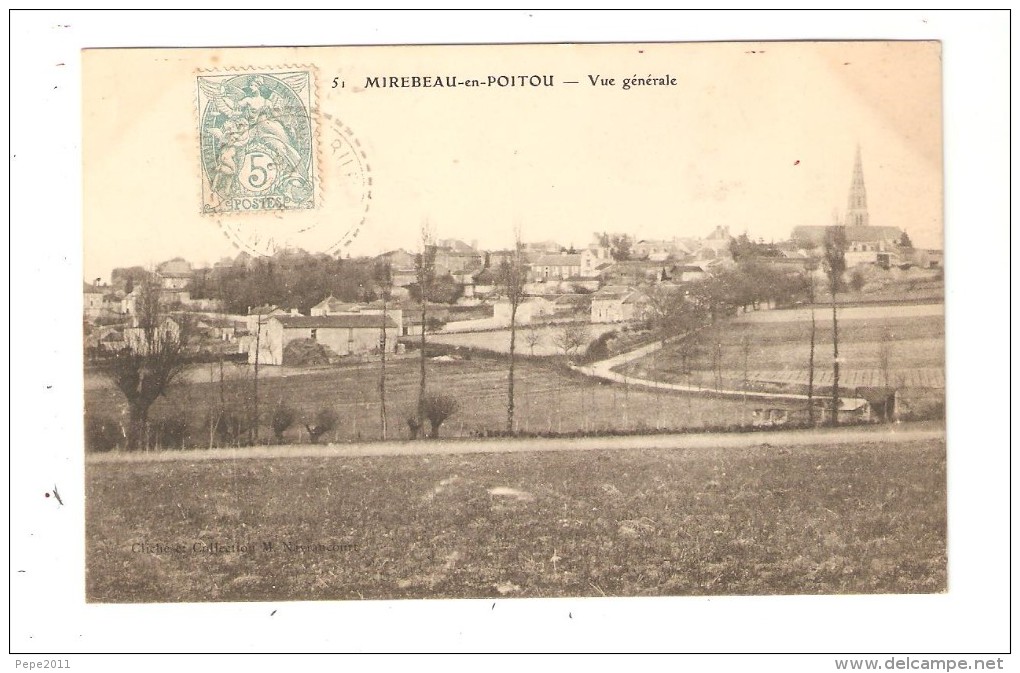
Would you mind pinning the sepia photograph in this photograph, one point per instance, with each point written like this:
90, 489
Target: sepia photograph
496, 332
406, 322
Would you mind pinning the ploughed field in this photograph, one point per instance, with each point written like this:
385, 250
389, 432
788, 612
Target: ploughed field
806, 519
549, 398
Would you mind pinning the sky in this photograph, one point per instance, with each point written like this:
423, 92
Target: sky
757, 137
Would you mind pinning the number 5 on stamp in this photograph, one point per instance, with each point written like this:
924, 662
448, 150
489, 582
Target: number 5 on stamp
257, 141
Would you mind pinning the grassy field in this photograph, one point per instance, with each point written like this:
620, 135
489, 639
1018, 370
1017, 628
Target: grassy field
498, 341
772, 348
549, 398
815, 519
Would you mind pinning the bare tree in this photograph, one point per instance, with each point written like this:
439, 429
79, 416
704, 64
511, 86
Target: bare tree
666, 305
157, 357
254, 423
885, 347
571, 337
425, 270
384, 280
834, 261
532, 337
809, 272
511, 279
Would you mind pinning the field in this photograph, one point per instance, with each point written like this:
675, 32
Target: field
549, 398
806, 519
498, 341
906, 351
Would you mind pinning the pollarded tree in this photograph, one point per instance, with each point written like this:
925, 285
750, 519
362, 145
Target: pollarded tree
325, 421
156, 357
437, 408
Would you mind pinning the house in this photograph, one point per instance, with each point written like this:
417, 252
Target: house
344, 335
570, 304
716, 244
93, 301
865, 244
174, 277
259, 315
528, 310
138, 341
581, 284
331, 306
546, 268
220, 328
659, 250
457, 257
539, 248
637, 272
397, 259
616, 303
925, 259
687, 272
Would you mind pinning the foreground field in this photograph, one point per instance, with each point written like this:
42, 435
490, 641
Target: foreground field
813, 519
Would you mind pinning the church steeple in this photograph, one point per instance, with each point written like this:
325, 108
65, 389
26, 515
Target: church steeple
857, 201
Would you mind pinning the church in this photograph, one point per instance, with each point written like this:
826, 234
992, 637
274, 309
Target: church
866, 244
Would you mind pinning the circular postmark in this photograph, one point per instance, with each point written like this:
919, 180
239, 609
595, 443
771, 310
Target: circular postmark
277, 172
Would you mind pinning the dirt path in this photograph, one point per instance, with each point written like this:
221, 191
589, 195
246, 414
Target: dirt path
886, 434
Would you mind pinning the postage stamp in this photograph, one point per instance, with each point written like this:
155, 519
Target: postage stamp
257, 141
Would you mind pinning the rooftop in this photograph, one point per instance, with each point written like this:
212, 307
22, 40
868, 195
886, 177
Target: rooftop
333, 321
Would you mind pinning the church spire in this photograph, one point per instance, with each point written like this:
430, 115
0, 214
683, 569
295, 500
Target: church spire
857, 201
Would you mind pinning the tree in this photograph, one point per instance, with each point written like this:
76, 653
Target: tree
905, 241
414, 424
667, 306
619, 245
834, 262
857, 280
443, 289
809, 272
742, 248
157, 357
282, 418
510, 279
325, 420
437, 408
532, 337
885, 351
571, 337
425, 272
384, 281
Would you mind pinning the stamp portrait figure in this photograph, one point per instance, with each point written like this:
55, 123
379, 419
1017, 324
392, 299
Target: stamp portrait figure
256, 139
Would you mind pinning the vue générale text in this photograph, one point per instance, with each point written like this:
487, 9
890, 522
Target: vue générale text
509, 81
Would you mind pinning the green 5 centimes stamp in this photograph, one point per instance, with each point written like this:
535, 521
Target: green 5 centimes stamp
257, 141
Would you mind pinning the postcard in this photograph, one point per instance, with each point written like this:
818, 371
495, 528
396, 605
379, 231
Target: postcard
517, 321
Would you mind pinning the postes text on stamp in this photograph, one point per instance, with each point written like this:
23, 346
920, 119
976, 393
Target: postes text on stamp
257, 141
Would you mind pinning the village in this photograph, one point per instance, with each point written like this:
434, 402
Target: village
599, 284
618, 310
